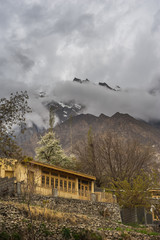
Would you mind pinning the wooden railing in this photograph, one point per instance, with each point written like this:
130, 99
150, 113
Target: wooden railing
70, 193
155, 193
105, 197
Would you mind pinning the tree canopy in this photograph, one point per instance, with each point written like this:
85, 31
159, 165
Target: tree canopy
12, 113
136, 192
124, 166
50, 151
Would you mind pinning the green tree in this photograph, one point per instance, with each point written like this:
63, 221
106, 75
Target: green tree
12, 113
135, 193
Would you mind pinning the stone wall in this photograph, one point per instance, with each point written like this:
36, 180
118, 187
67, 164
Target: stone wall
7, 186
17, 222
81, 206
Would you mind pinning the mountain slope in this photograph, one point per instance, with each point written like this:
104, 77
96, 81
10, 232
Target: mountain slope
122, 124
76, 129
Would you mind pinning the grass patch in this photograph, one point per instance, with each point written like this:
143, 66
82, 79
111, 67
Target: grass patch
120, 229
135, 225
6, 236
147, 232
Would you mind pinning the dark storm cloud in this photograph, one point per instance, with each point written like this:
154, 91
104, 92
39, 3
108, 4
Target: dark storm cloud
45, 42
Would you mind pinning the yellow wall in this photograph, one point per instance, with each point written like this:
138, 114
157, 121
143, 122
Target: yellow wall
21, 170
21, 173
26, 172
7, 166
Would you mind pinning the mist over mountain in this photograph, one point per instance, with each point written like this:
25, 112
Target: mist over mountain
70, 98
45, 44
81, 104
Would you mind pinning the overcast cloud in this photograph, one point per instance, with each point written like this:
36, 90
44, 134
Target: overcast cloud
43, 43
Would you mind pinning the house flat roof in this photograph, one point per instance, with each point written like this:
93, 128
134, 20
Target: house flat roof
63, 170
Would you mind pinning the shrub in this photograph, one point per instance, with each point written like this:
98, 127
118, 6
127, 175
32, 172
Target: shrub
4, 236
86, 235
66, 233
16, 236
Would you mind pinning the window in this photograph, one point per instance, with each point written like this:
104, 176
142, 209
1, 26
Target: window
61, 184
63, 176
71, 178
86, 189
52, 181
56, 183
82, 190
59, 180
84, 182
69, 186
65, 185
43, 180
47, 181
54, 174
73, 187
45, 171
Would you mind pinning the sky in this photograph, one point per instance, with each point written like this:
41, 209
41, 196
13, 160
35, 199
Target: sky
45, 44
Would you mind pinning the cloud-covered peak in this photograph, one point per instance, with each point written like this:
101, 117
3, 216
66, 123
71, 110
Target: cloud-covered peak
44, 43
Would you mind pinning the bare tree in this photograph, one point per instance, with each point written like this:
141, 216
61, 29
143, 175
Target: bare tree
89, 160
109, 157
124, 159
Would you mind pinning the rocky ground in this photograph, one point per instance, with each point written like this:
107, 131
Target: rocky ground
21, 221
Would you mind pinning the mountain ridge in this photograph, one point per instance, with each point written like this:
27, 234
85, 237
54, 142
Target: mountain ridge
76, 129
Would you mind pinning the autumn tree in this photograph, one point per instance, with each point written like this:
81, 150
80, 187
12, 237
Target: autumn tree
12, 113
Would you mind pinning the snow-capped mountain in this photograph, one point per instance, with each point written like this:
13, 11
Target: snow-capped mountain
65, 110
71, 106
65, 104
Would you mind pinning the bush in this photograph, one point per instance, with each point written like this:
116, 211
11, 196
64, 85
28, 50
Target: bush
44, 230
4, 236
86, 235
66, 233
16, 236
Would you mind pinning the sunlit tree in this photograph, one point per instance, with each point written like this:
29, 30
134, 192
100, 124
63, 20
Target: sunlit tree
50, 150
